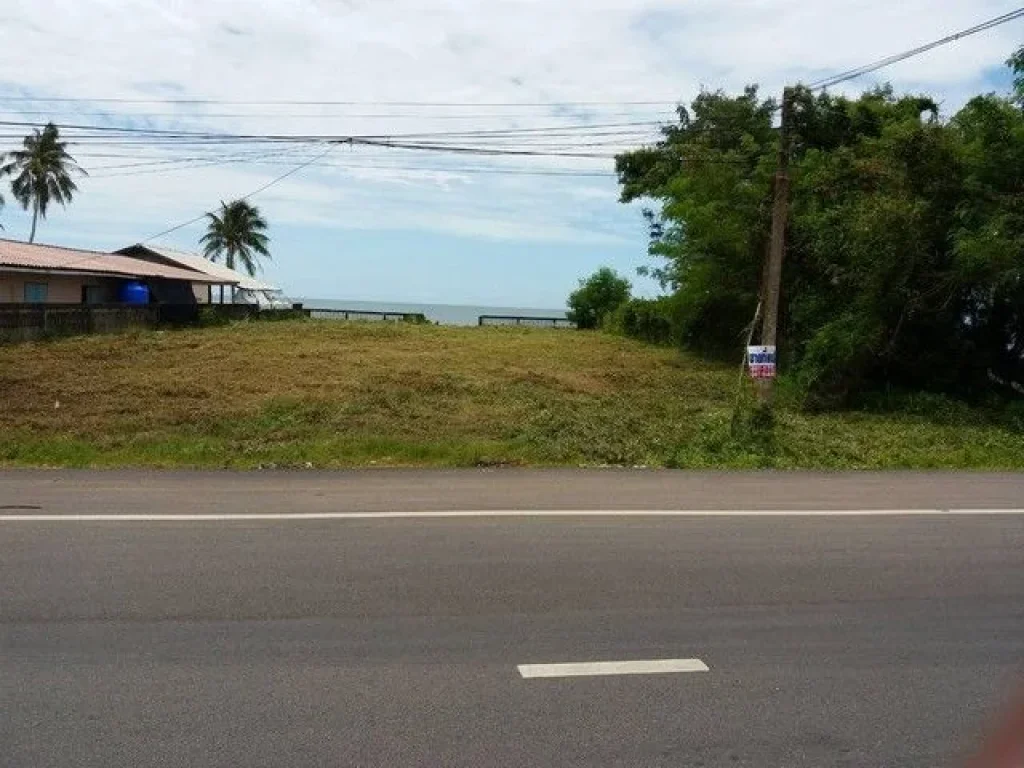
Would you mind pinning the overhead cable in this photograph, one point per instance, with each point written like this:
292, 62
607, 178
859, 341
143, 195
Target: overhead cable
896, 58
107, 129
255, 192
314, 103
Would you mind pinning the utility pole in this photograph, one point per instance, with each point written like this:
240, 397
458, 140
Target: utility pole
777, 249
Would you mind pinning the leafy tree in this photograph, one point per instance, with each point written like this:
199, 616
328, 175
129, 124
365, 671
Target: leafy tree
236, 234
905, 258
42, 172
987, 281
873, 208
598, 296
712, 175
645, 319
1016, 63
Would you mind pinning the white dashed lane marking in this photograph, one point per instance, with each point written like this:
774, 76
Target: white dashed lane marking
602, 668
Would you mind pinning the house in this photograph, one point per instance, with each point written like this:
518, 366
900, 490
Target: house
49, 274
231, 286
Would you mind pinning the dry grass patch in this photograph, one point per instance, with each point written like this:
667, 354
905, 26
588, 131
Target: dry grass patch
344, 394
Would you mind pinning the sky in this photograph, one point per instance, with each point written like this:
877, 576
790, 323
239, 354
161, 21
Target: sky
390, 224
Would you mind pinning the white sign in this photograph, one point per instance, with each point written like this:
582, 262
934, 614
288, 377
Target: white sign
762, 362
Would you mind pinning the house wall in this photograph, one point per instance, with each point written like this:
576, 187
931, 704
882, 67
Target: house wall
7, 288
60, 289
67, 289
199, 289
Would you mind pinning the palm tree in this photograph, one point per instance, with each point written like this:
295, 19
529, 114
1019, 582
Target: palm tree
236, 234
42, 173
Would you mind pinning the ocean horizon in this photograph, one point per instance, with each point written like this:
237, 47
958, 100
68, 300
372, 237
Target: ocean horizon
445, 314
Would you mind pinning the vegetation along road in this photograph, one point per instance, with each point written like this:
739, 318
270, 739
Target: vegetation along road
326, 394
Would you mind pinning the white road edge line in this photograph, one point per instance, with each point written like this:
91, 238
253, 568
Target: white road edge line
489, 513
602, 668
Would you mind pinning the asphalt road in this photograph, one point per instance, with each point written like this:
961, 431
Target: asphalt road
882, 640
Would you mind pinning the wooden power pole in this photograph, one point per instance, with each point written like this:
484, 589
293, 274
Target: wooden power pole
777, 249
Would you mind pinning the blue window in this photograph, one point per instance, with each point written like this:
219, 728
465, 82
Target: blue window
35, 293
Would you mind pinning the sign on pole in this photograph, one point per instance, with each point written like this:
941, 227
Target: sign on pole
762, 362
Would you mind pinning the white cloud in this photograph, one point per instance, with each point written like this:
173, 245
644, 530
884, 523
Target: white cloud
457, 50
474, 51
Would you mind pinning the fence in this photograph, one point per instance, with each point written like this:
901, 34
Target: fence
25, 322
366, 315
536, 322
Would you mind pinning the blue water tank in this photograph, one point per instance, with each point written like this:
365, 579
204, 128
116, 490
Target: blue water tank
133, 292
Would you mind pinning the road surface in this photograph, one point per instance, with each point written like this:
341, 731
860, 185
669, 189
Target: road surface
779, 632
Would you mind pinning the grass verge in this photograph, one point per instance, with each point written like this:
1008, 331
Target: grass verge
330, 394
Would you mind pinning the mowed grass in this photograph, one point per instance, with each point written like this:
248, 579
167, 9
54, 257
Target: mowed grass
330, 394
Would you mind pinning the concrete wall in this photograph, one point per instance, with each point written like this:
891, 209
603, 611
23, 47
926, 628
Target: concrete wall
35, 321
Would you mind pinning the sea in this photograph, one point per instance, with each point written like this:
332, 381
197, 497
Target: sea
445, 314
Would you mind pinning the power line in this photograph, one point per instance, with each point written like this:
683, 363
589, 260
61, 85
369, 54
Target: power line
548, 130
161, 149
890, 60
293, 116
498, 171
458, 149
266, 186
255, 192
396, 141
158, 142
186, 164
241, 156
158, 132
552, 141
146, 164
469, 169
299, 103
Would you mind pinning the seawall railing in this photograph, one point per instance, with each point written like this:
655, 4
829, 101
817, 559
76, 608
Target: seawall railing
526, 320
366, 315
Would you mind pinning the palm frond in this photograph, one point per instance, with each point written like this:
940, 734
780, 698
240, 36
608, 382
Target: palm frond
236, 234
41, 170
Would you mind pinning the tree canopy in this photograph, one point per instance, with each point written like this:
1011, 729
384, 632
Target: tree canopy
905, 258
237, 234
598, 296
41, 172
1016, 63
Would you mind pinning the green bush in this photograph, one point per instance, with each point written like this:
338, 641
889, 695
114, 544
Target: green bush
282, 314
649, 320
905, 240
211, 317
597, 297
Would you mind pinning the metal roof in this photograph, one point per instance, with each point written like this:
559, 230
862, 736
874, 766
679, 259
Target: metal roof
32, 256
219, 271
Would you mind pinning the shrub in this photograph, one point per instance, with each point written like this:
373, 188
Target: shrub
649, 320
597, 297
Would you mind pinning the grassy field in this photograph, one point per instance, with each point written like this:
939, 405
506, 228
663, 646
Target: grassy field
328, 394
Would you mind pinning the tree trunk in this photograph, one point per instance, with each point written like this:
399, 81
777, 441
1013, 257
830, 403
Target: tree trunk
35, 218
